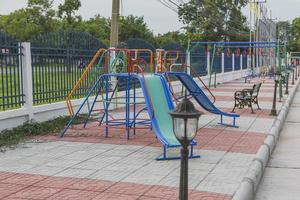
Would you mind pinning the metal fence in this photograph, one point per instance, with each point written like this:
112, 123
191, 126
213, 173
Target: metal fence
199, 60
245, 61
217, 65
227, 63
11, 87
58, 60
237, 62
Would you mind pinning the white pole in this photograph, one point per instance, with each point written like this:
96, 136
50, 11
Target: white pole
27, 79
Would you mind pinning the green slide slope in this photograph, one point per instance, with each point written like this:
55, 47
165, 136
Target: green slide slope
162, 122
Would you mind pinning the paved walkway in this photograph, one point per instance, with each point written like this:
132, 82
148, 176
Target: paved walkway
86, 165
281, 180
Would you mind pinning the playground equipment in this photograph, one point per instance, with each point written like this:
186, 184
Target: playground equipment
128, 80
234, 45
158, 104
197, 93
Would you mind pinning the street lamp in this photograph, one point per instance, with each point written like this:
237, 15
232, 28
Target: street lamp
293, 70
185, 125
296, 72
277, 78
287, 77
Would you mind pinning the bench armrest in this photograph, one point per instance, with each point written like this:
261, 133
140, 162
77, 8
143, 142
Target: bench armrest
248, 91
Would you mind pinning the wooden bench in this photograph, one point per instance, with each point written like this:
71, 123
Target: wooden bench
247, 97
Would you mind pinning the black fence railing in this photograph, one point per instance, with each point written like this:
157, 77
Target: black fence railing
245, 61
56, 71
237, 62
217, 64
227, 63
199, 63
58, 61
11, 84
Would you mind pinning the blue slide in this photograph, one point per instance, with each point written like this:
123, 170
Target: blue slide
198, 94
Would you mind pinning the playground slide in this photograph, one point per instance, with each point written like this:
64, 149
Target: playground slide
159, 100
200, 96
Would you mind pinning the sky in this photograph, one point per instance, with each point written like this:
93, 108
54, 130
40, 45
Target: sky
159, 18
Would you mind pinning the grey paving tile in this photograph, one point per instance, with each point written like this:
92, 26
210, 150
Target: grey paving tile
44, 170
61, 163
76, 173
91, 165
145, 177
109, 175
209, 156
293, 115
236, 160
261, 126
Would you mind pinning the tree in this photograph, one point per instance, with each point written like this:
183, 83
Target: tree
18, 25
134, 27
67, 12
97, 26
295, 35
171, 37
283, 33
37, 18
42, 14
213, 20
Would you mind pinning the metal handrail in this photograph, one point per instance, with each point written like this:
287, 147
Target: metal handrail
172, 51
145, 50
84, 74
197, 76
140, 70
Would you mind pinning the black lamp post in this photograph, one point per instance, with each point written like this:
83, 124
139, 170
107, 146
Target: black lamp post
185, 125
277, 78
287, 77
293, 81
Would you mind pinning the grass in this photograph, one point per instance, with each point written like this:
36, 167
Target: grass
10, 138
49, 86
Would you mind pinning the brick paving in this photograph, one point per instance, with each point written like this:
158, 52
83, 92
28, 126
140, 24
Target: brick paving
73, 189
86, 165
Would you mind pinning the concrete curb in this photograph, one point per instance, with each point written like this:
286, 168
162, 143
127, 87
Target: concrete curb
250, 182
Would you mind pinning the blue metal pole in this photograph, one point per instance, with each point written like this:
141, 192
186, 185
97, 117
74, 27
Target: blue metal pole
128, 107
134, 105
106, 106
92, 107
81, 106
265, 46
234, 42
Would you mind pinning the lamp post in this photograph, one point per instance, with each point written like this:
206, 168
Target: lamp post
277, 78
293, 82
185, 125
287, 77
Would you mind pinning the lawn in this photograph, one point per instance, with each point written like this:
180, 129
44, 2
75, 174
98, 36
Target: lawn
49, 85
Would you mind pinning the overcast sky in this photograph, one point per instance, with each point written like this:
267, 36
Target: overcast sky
159, 18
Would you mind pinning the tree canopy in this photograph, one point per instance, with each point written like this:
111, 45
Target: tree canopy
206, 20
212, 20
295, 35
